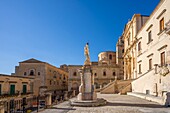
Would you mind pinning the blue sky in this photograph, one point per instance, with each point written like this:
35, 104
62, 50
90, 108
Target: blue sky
56, 31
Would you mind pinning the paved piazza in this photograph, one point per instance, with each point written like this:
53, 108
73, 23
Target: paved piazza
116, 104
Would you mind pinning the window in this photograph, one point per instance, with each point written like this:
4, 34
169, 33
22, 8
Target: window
122, 50
95, 74
12, 89
149, 36
133, 63
74, 73
25, 73
110, 57
24, 89
114, 74
38, 73
140, 69
161, 23
150, 64
139, 46
104, 73
32, 72
162, 58
128, 40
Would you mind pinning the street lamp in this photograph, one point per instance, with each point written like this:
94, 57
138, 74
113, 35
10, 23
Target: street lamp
38, 102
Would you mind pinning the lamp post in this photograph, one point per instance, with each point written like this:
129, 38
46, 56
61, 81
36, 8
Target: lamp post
23, 104
38, 102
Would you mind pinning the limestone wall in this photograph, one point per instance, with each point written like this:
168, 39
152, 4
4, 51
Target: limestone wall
148, 81
7, 80
100, 79
153, 84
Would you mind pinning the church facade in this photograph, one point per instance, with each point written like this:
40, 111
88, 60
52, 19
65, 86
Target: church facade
104, 71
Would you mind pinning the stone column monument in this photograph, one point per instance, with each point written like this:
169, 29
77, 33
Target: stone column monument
86, 89
87, 96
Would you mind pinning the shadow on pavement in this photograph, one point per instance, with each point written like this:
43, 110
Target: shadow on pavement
135, 105
62, 108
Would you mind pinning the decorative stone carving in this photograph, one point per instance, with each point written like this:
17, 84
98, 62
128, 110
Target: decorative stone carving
164, 71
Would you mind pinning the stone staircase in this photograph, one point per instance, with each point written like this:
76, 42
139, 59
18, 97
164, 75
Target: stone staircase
118, 86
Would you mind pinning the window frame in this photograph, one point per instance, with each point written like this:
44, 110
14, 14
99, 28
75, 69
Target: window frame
140, 68
104, 73
161, 24
162, 59
139, 46
150, 37
150, 63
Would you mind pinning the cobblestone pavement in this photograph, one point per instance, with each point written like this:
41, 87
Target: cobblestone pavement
116, 104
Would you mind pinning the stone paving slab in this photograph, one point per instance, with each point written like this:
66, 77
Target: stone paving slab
116, 104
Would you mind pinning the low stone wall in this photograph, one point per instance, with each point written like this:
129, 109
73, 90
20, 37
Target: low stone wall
152, 84
165, 100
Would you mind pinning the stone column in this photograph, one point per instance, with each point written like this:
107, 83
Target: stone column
87, 80
48, 100
66, 95
2, 107
81, 87
74, 93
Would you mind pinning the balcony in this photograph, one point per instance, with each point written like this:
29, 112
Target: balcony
16, 93
27, 93
8, 94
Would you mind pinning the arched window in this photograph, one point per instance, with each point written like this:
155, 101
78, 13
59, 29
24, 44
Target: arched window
64, 77
114, 74
110, 57
50, 82
25, 73
38, 73
95, 74
104, 73
75, 74
32, 72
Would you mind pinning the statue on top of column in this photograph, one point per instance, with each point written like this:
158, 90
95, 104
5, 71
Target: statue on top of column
87, 55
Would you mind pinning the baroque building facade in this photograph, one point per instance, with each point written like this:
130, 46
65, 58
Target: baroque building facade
129, 36
147, 53
104, 71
